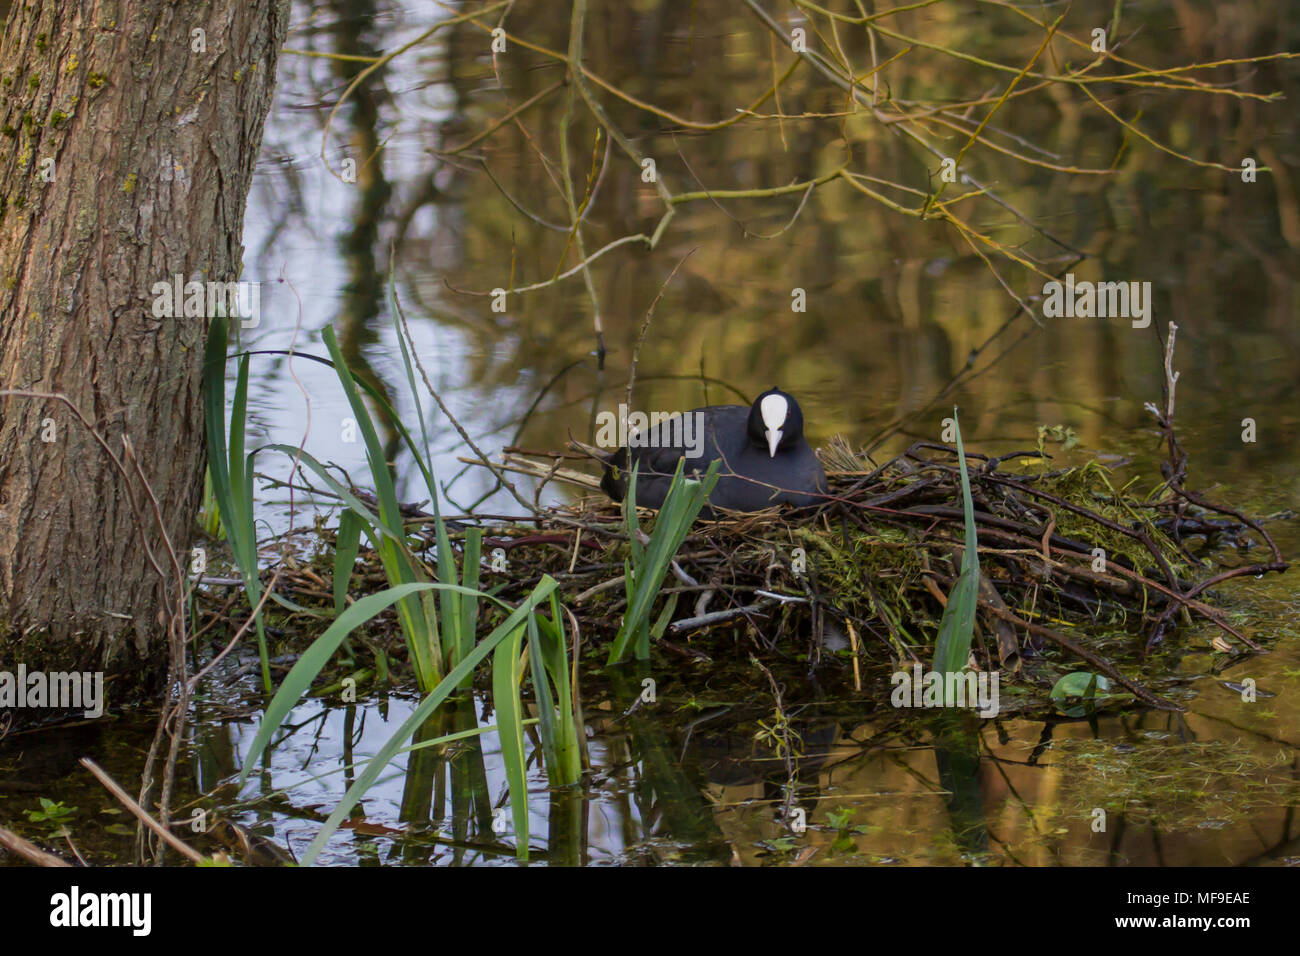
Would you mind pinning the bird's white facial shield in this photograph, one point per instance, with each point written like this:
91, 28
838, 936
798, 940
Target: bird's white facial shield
774, 409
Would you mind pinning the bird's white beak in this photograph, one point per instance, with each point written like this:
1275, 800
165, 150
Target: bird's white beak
773, 439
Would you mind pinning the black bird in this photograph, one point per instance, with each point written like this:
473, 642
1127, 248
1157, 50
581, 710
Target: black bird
765, 459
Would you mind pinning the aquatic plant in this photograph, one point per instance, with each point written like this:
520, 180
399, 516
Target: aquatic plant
438, 619
646, 565
232, 471
957, 626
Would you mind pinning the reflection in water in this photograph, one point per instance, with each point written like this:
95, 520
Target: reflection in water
896, 308
668, 792
360, 297
685, 780
957, 757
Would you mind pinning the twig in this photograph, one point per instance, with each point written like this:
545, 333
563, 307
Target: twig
125, 799
645, 325
717, 617
28, 851
497, 472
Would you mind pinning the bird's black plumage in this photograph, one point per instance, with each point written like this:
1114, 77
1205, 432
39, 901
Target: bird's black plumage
764, 463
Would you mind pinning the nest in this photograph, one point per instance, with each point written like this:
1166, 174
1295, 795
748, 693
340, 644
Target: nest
1073, 570
1068, 562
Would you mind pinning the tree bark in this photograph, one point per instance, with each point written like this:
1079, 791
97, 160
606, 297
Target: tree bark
128, 136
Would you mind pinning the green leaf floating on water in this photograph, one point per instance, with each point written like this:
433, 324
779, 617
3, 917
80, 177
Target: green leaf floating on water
1082, 684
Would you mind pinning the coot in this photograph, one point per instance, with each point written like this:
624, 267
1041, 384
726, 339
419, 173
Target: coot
765, 459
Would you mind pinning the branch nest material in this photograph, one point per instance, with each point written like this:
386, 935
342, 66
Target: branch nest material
1069, 563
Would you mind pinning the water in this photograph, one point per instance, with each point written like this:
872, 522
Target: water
896, 308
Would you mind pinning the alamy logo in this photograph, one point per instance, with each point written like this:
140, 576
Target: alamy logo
195, 299
919, 688
655, 430
75, 908
1101, 300
57, 689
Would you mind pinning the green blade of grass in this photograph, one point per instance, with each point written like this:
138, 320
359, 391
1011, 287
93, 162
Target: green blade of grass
957, 625
455, 611
424, 461
391, 548
347, 543
505, 701
682, 505
417, 622
370, 521
375, 396
548, 729
230, 472
313, 660
956, 628
449, 605
385, 492
295, 607
566, 766
214, 414
665, 616
421, 713
470, 579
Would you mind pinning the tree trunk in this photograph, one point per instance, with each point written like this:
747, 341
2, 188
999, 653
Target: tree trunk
129, 134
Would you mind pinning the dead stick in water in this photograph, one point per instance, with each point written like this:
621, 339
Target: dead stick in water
853, 642
717, 617
28, 851
125, 799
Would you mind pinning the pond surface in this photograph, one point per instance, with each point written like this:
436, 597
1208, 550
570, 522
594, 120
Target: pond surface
903, 320
685, 780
